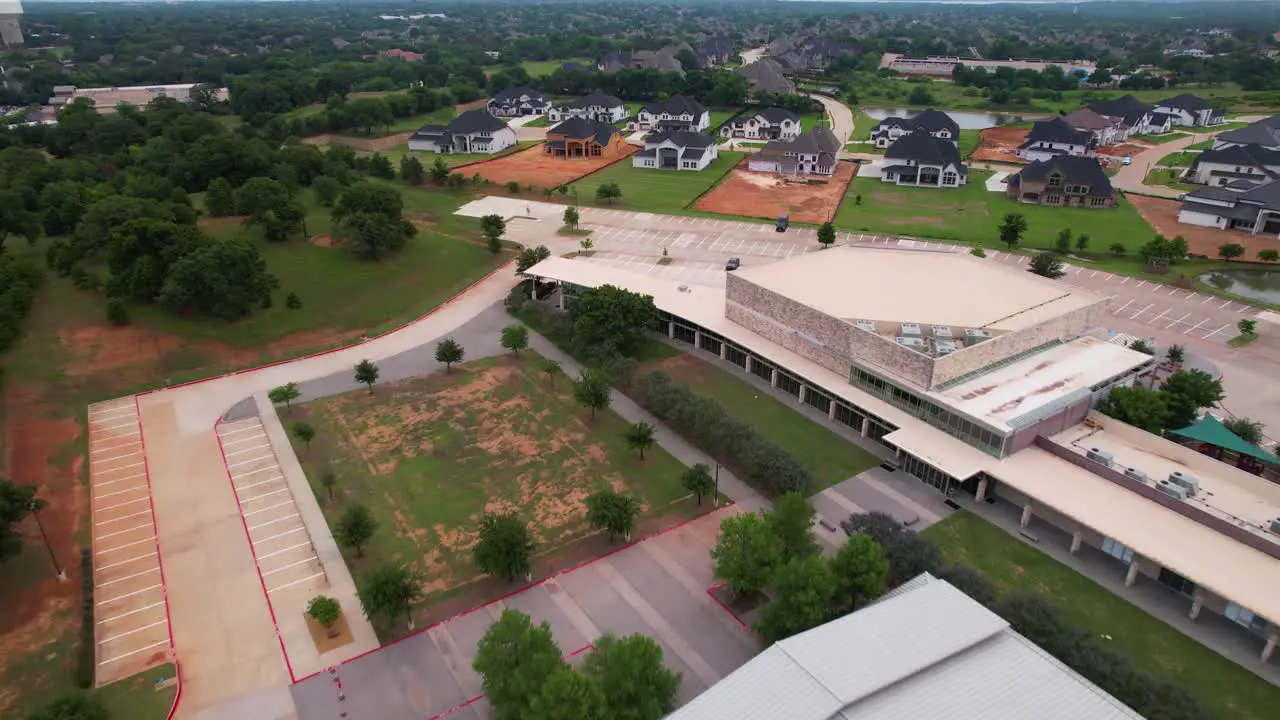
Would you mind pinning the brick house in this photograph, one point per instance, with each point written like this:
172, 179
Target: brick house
583, 138
1065, 181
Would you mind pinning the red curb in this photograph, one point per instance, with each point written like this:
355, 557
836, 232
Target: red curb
478, 698
711, 594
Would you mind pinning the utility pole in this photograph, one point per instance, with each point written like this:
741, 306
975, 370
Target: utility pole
36, 506
715, 499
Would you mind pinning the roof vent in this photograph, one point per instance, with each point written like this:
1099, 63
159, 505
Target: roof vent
1190, 483
944, 347
1171, 490
1135, 474
1275, 526
974, 337
914, 343
1100, 456
868, 325
942, 331
684, 288
911, 329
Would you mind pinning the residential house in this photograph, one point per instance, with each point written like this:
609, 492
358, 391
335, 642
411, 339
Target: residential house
663, 59
1189, 110
766, 124
605, 108
1052, 138
1065, 180
676, 151
934, 122
921, 158
518, 101
678, 113
716, 50
398, 54
575, 67
1133, 115
767, 75
1239, 205
1221, 166
1188, 47
1105, 130
474, 131
1264, 133
812, 153
582, 138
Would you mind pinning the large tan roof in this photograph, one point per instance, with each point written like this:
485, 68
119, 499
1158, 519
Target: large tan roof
918, 286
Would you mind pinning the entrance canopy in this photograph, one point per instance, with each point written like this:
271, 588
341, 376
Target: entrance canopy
1211, 430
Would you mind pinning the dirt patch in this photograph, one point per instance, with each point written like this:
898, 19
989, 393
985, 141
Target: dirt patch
768, 195
1162, 214
535, 167
377, 144
321, 241
1000, 144
329, 639
1122, 150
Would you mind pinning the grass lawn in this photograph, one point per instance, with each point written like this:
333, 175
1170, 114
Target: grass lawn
830, 458
862, 124
1161, 138
538, 122
1226, 689
440, 116
971, 214
719, 116
430, 455
809, 120
451, 159
1168, 178
969, 141
1224, 127
1202, 145
537, 68
659, 191
138, 697
893, 92
1178, 159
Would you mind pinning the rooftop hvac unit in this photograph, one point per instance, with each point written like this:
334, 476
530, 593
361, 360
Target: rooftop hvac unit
1135, 474
942, 331
1275, 526
868, 325
1187, 482
1102, 457
911, 342
976, 336
1171, 490
944, 347
911, 329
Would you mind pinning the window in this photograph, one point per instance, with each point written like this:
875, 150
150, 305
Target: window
1240, 615
1077, 189
1117, 551
1055, 180
1097, 202
949, 178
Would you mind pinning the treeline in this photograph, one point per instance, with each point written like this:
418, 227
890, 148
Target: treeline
19, 280
364, 114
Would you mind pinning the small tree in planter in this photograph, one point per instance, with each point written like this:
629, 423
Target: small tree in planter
326, 611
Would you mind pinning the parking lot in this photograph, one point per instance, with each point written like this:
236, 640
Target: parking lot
657, 588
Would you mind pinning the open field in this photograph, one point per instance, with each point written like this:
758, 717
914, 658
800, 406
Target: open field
1162, 138
451, 159
535, 167
947, 95
766, 195
1162, 214
1226, 689
1179, 159
659, 191
1167, 178
971, 214
830, 458
537, 68
999, 144
969, 140
862, 124
429, 456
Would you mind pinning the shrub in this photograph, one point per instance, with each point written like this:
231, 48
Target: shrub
117, 312
292, 301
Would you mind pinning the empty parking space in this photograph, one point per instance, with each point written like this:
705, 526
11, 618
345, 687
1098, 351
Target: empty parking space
282, 547
131, 619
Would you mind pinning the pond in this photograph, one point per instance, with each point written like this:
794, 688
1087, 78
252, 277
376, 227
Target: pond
1262, 285
966, 119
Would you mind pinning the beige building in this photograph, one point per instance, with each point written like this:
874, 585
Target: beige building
983, 380
105, 99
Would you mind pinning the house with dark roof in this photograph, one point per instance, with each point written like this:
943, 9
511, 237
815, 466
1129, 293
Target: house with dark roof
934, 122
1105, 130
716, 50
1221, 166
605, 108
1054, 138
922, 159
1238, 205
583, 138
769, 123
676, 151
676, 114
1133, 114
1062, 181
1263, 133
1189, 110
767, 75
663, 59
474, 131
812, 153
518, 101
575, 67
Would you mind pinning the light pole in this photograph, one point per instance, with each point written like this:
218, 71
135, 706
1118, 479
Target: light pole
36, 506
715, 499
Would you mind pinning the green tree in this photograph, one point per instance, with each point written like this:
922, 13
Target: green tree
1012, 228
611, 319
369, 198
328, 480
411, 170
1082, 242
698, 481
388, 591
571, 218
549, 368
613, 512
63, 204
1143, 347
636, 685
1251, 431
268, 204
609, 192
367, 374
374, 236
1048, 264
220, 198
117, 311
493, 226
1063, 243
439, 171
639, 437
569, 695
516, 659
326, 189
530, 257
505, 547
285, 394
449, 351
1137, 406
324, 610
1117, 249
826, 234
304, 432
15, 503
804, 594
1186, 391
1248, 328
746, 553
908, 553
71, 706
225, 279
15, 219
592, 390
515, 337
355, 527
791, 520
1176, 354
1269, 255
380, 166
1230, 251
860, 568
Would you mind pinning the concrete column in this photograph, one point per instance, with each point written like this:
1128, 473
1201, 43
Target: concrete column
724, 350
561, 299
671, 330
831, 411
697, 339
1132, 576
751, 363
981, 494
1197, 602
533, 289
866, 426
1076, 539
773, 378
1026, 516
1270, 647
804, 392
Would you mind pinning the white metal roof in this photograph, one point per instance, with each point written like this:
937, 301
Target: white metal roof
929, 651
10, 7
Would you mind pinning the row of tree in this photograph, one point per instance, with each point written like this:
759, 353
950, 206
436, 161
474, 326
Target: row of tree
1175, 405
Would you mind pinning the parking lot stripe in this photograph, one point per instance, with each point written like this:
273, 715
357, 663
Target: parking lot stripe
244, 440
1196, 326
1131, 317
280, 535
126, 577
113, 447
127, 633
1207, 299
1223, 305
125, 562
1215, 332
123, 532
113, 411
126, 502
260, 482
135, 592
252, 460
1127, 279
263, 495
118, 480
1175, 322
283, 550
255, 447
254, 472
295, 582
113, 618
1122, 307
134, 652
112, 427
286, 567
1095, 272
1140, 284
273, 522
121, 547
1171, 292
269, 507
116, 457
1154, 319
119, 492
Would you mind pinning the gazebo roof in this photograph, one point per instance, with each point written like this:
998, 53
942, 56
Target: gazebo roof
1211, 430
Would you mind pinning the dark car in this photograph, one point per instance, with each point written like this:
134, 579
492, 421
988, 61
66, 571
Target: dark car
782, 223
733, 264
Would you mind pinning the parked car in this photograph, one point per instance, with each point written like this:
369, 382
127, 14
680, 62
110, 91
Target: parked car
1127, 161
733, 264
782, 223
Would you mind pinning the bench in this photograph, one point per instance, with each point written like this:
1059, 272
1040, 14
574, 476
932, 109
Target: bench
827, 524
1029, 535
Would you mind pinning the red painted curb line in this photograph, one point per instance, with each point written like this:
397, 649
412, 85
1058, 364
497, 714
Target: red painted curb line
711, 594
478, 698
517, 591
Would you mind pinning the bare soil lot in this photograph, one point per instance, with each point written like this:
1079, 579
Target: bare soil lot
1000, 144
768, 195
534, 167
1162, 214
